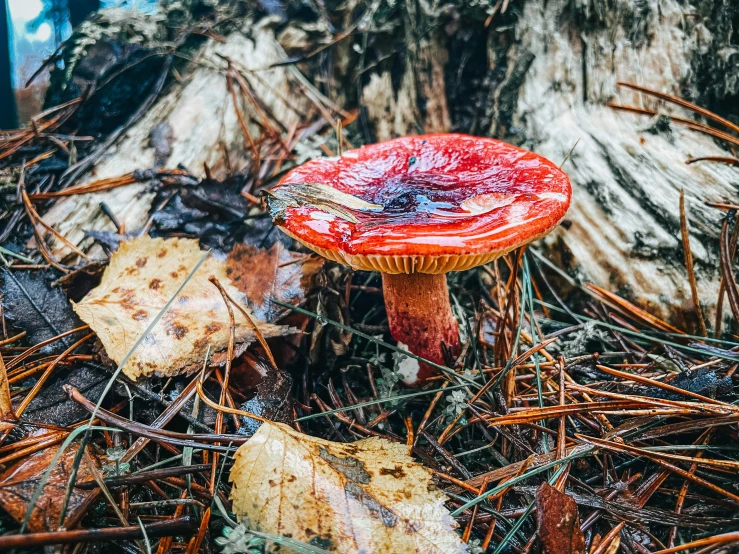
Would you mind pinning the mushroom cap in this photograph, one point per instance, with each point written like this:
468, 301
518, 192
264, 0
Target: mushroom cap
447, 202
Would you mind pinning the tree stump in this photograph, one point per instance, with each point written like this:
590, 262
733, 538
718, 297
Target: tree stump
538, 73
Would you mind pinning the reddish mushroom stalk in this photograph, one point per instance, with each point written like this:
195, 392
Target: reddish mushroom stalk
420, 317
416, 208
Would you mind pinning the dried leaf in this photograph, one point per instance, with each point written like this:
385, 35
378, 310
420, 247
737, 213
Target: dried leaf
37, 307
274, 274
52, 404
626, 508
268, 392
558, 522
322, 197
17, 484
141, 278
703, 380
368, 496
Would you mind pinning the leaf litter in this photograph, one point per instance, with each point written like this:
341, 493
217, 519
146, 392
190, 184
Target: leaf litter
18, 481
596, 396
266, 275
558, 524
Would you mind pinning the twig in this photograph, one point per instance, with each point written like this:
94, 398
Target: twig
689, 264
6, 406
159, 435
682, 103
726, 271
180, 526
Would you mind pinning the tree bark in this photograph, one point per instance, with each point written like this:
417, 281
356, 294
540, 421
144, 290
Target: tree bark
540, 76
192, 124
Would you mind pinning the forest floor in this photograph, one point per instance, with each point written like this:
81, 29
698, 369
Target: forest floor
571, 422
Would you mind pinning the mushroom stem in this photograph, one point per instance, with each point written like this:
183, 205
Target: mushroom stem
420, 317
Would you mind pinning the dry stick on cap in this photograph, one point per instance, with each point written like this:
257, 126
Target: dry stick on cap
414, 209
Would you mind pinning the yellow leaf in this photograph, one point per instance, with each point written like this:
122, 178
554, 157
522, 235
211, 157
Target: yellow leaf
368, 496
142, 276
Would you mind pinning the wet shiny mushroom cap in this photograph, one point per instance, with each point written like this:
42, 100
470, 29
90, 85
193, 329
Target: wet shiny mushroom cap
443, 203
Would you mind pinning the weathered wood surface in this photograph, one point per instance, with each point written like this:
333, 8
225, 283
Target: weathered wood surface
539, 75
200, 119
555, 78
626, 221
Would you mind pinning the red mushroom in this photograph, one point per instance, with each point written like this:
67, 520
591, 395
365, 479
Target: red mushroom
415, 208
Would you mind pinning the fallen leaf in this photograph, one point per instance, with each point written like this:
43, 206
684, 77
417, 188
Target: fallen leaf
271, 274
52, 404
558, 522
703, 380
267, 392
368, 496
35, 303
80, 281
316, 195
37, 307
18, 482
211, 210
142, 276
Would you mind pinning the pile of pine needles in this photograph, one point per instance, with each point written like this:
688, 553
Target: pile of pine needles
634, 418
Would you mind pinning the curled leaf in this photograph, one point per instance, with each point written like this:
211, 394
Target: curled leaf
265, 275
369, 496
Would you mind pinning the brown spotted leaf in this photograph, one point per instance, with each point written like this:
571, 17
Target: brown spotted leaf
142, 276
559, 525
368, 496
